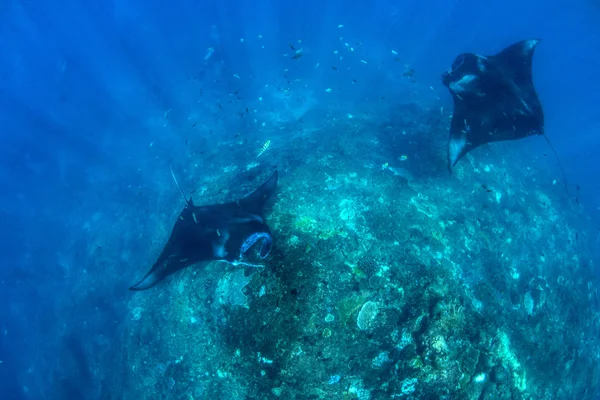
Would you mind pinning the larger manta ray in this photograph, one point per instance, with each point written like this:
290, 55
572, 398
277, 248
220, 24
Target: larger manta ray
494, 99
214, 232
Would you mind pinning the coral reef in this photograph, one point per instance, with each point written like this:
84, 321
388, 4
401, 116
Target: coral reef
470, 286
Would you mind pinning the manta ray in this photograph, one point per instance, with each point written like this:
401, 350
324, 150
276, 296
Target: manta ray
494, 99
214, 232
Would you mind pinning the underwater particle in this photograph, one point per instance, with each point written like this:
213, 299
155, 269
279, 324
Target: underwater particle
350, 116
260, 98
241, 40
403, 157
367, 315
480, 378
362, 61
236, 76
329, 318
384, 166
333, 379
340, 26
326, 333
328, 90
394, 52
277, 391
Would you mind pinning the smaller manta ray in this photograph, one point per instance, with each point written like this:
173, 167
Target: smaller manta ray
494, 99
214, 232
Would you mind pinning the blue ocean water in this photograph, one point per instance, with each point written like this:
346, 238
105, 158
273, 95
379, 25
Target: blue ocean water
99, 98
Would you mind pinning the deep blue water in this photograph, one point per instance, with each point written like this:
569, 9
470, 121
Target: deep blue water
97, 98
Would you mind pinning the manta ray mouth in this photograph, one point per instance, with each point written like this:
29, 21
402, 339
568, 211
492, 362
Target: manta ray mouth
265, 247
464, 84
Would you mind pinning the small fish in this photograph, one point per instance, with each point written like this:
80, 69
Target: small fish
363, 61
264, 148
209, 52
486, 188
246, 110
353, 80
220, 108
292, 47
334, 68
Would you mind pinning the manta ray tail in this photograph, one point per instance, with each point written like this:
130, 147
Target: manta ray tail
189, 201
562, 170
256, 200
